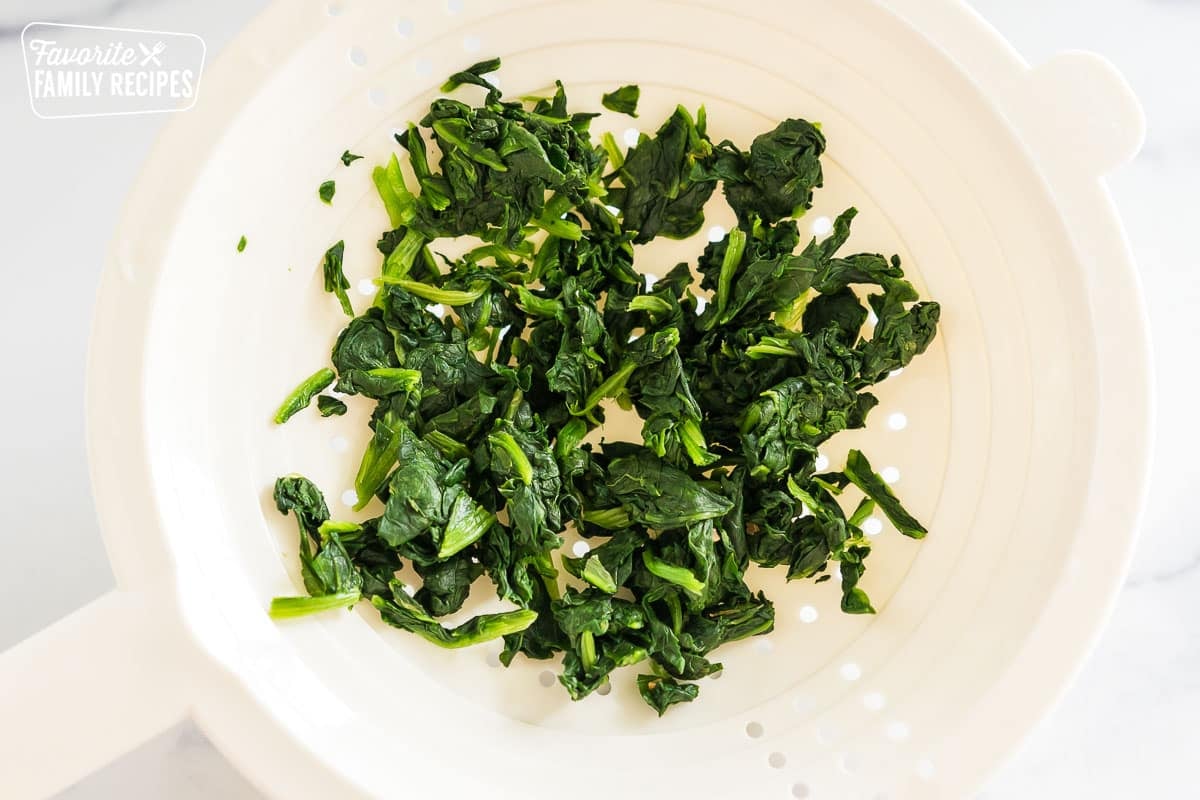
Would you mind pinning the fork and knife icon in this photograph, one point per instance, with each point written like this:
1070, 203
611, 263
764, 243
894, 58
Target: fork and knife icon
151, 54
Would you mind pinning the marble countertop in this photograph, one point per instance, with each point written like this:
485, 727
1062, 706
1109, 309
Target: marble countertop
1125, 729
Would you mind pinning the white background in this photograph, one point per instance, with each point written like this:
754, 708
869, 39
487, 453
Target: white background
1126, 729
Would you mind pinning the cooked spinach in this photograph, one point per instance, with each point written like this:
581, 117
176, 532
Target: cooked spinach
660, 693
330, 406
480, 458
349, 158
623, 100
303, 394
326, 191
335, 278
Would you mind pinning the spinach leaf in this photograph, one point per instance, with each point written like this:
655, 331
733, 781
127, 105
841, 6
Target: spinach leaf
623, 100
330, 406
300, 496
776, 178
331, 578
335, 279
654, 493
303, 394
662, 693
661, 190
446, 584
859, 471
402, 611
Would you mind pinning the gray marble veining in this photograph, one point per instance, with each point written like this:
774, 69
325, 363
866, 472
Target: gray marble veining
12, 20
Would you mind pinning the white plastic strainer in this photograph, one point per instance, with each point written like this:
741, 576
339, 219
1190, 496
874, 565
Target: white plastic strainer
1020, 438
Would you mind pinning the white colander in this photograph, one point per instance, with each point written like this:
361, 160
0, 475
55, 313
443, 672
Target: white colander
1020, 438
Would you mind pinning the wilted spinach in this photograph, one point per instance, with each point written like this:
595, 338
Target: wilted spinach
480, 455
623, 100
335, 278
330, 406
303, 394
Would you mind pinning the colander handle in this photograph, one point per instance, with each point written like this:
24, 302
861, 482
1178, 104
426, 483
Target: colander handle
1079, 114
82, 692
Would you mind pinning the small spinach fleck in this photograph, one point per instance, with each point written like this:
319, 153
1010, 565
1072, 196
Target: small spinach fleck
326, 191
